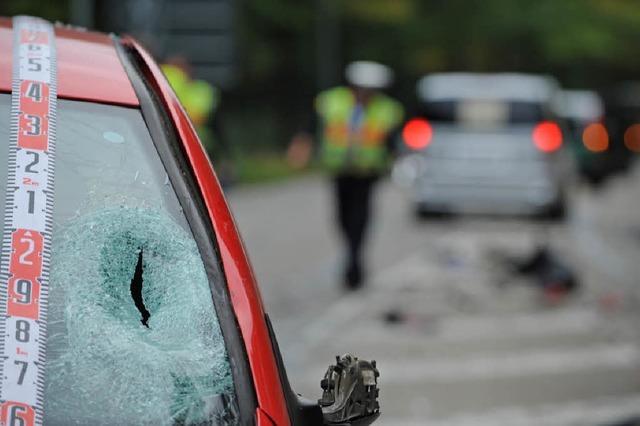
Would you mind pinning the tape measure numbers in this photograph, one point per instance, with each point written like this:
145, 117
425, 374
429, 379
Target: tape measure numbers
26, 243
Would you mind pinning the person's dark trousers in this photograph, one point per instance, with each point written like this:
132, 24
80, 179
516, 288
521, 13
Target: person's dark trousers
353, 202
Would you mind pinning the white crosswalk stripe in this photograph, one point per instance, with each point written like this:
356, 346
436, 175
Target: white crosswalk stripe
498, 366
597, 412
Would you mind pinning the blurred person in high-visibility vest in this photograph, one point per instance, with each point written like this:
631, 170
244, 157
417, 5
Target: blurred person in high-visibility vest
200, 101
355, 125
199, 98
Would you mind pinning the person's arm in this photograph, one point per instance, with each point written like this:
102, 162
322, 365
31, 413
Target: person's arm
300, 148
394, 136
392, 141
299, 151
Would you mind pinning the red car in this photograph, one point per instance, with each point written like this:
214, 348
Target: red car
126, 296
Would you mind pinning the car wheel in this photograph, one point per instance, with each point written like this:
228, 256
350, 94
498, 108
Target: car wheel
423, 213
556, 211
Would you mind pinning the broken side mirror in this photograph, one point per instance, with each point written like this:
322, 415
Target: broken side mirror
350, 392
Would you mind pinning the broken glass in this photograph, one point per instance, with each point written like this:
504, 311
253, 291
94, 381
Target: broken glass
133, 335
102, 360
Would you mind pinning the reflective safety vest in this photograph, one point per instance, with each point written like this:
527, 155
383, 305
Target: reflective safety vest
198, 97
355, 143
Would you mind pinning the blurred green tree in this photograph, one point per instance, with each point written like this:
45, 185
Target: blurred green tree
54, 10
288, 45
290, 48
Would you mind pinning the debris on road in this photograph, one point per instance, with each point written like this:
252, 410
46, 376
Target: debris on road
546, 270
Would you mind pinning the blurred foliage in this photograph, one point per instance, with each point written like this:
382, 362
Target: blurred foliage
54, 10
264, 167
584, 42
283, 45
381, 11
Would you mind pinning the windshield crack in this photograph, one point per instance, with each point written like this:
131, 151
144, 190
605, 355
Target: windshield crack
136, 290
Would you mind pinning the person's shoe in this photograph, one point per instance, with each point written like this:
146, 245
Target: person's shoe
353, 279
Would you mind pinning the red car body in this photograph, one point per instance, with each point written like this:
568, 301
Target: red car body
90, 69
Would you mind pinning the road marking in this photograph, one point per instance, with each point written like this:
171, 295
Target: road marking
595, 412
473, 328
505, 365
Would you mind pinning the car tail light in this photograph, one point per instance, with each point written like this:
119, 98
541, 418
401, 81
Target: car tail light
547, 136
417, 133
595, 137
632, 138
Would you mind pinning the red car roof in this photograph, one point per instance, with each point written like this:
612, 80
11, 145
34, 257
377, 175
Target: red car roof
88, 66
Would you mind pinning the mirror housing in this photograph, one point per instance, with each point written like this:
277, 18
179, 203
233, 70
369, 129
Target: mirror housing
350, 392
351, 400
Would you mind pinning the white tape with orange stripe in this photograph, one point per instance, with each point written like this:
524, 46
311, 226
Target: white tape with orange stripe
26, 243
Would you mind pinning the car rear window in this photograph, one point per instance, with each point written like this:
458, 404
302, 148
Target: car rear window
495, 111
133, 335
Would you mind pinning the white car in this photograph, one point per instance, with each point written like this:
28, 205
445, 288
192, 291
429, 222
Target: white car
484, 143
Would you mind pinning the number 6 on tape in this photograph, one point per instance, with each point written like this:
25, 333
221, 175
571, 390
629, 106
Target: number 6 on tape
26, 239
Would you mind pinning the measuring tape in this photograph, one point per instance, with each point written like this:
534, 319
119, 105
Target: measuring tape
26, 243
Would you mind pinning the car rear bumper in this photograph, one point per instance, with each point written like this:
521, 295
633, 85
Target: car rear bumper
484, 186
477, 198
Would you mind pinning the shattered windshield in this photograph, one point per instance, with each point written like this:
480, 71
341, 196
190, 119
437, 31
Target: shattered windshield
133, 336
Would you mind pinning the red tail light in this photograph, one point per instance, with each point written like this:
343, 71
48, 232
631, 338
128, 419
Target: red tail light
547, 136
417, 133
632, 137
595, 137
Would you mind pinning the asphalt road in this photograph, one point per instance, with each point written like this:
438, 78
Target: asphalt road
470, 344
